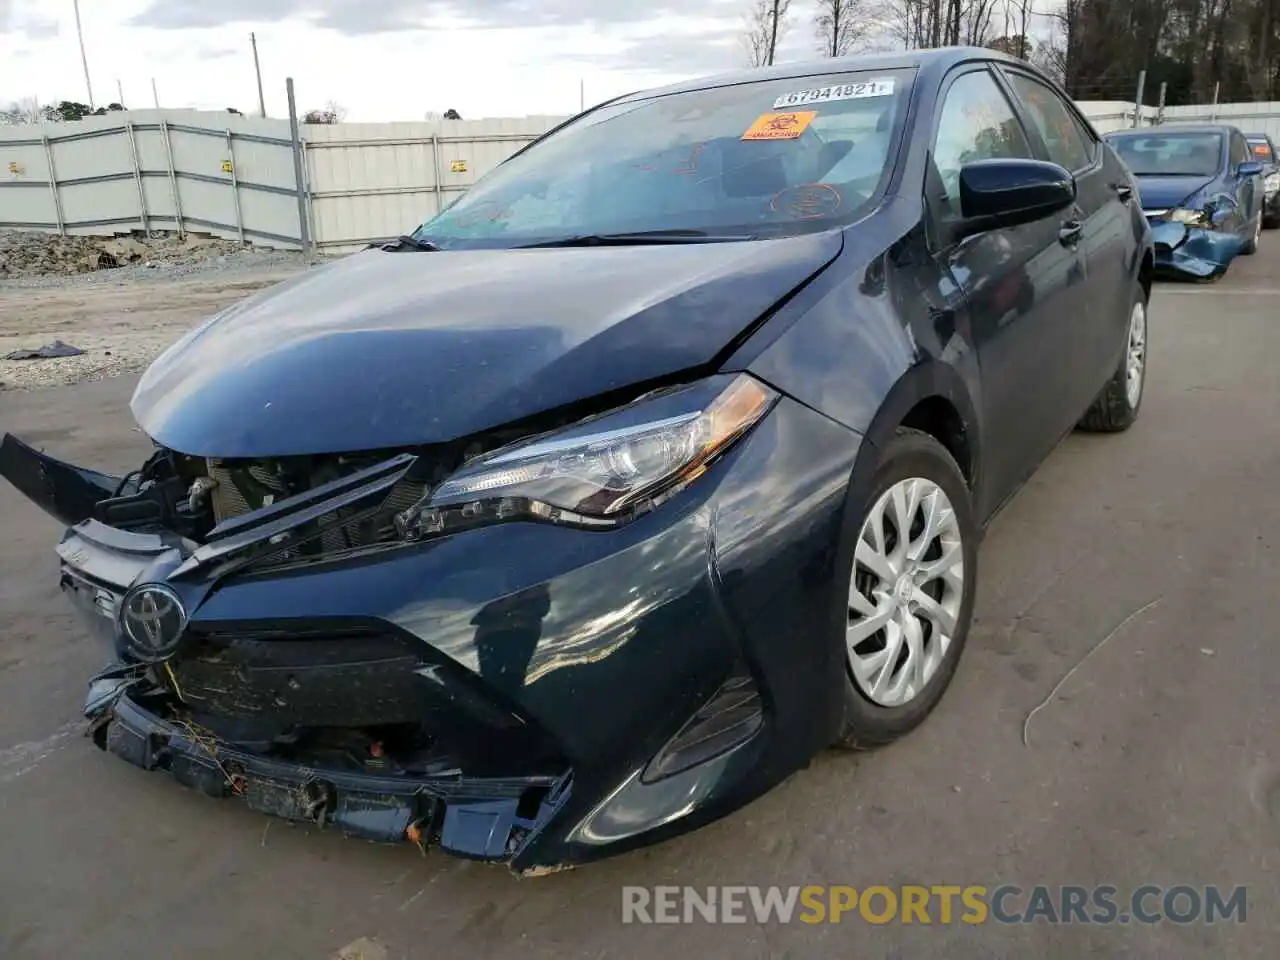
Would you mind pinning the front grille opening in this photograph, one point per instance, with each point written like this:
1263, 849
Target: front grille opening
352, 699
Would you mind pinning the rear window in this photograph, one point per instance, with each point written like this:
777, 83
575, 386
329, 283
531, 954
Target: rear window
1170, 154
1262, 151
764, 158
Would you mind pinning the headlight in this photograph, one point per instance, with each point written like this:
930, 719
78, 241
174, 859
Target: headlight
1272, 183
603, 471
1194, 217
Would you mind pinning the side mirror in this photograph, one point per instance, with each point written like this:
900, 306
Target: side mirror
1006, 193
1250, 168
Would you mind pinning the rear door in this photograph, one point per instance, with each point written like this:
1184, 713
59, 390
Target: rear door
1024, 286
1106, 233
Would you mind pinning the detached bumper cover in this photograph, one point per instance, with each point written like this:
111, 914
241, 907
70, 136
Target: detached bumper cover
1193, 252
477, 818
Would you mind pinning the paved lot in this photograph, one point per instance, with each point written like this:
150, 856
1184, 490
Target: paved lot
1159, 761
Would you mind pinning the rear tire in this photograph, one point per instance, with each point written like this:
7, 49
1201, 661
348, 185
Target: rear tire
910, 599
1116, 407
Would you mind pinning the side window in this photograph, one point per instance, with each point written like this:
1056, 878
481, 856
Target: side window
1054, 121
976, 123
1239, 152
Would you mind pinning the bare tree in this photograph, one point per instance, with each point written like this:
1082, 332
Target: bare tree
938, 23
766, 25
27, 111
841, 24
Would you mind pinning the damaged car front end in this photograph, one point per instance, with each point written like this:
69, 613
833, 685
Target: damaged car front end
407, 658
1191, 244
322, 719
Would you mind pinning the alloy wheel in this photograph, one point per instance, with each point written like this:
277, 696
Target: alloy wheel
906, 592
1135, 367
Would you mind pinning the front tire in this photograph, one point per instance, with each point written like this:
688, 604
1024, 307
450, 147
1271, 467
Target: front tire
910, 591
1251, 247
1116, 407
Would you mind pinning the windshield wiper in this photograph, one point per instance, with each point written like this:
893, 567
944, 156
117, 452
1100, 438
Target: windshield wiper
638, 238
409, 242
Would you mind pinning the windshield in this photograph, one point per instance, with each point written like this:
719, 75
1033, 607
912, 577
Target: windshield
759, 159
1262, 150
1171, 154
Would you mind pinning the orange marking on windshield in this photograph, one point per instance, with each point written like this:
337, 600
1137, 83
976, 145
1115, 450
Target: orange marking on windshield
780, 126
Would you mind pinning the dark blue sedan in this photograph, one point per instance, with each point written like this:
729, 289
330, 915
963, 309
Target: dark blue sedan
600, 503
1202, 189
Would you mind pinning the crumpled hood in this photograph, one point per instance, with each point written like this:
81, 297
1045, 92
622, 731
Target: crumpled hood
399, 349
1164, 193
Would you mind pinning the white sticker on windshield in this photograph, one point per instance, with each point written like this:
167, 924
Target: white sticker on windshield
839, 91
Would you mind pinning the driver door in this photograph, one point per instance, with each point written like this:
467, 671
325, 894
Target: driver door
1024, 287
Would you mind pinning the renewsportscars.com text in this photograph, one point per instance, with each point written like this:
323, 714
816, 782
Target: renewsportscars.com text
941, 904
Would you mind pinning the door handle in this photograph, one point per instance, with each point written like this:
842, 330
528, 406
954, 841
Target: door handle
1123, 191
1069, 233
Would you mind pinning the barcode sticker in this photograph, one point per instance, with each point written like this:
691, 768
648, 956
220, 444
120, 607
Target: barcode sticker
839, 91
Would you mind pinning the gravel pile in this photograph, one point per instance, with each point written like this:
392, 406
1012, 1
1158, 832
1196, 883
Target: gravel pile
34, 259
119, 301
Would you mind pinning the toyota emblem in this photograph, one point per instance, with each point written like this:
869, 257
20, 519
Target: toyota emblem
153, 621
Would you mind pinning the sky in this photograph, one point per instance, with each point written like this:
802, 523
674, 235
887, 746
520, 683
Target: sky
379, 59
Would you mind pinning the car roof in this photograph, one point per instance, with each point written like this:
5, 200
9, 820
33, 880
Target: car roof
939, 60
1166, 129
1258, 136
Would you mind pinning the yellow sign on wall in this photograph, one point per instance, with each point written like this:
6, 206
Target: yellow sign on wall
458, 166
226, 166
14, 167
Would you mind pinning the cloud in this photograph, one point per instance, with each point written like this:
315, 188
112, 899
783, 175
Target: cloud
33, 26
216, 52
364, 17
345, 16
704, 52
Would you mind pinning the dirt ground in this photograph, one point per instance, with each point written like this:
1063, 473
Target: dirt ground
121, 326
1158, 760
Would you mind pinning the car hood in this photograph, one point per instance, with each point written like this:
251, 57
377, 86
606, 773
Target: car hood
1164, 193
395, 349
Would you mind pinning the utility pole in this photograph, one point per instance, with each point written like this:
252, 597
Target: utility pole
262, 103
1137, 107
299, 179
155, 95
582, 95
83, 59
120, 91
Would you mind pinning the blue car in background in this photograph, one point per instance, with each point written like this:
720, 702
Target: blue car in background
1202, 192
1264, 151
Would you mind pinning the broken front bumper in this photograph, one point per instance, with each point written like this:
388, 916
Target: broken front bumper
1190, 252
478, 818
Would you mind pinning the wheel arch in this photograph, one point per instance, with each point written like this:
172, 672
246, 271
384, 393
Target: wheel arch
1146, 271
930, 397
